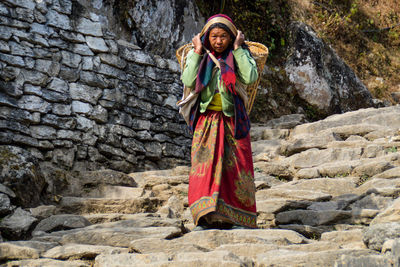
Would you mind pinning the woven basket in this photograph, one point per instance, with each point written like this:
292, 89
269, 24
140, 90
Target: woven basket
257, 50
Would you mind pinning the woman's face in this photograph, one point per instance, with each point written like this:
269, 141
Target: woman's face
219, 39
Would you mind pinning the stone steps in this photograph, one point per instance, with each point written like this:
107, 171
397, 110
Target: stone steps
327, 198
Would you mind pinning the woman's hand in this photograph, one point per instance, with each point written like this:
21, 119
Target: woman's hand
239, 40
198, 46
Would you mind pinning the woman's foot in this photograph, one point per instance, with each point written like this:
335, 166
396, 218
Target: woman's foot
239, 227
199, 228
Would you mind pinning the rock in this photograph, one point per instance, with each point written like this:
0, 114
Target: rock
16, 225
248, 250
308, 173
116, 192
377, 184
331, 186
286, 121
47, 263
61, 222
98, 205
315, 157
70, 59
310, 217
130, 259
343, 237
390, 214
375, 235
96, 44
284, 257
58, 20
77, 251
88, 27
389, 174
274, 169
212, 258
118, 236
313, 64
312, 232
337, 168
84, 93
291, 194
361, 122
372, 201
155, 245
363, 261
263, 133
5, 205
273, 205
157, 25
41, 247
34, 104
132, 220
10, 251
303, 143
373, 168
211, 239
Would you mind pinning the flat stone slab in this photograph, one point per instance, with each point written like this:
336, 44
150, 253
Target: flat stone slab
389, 174
311, 217
41, 247
212, 239
149, 219
131, 260
152, 245
48, 263
291, 194
343, 237
10, 251
78, 251
390, 214
100, 205
332, 186
213, 259
248, 250
116, 192
283, 257
118, 236
375, 235
60, 222
363, 261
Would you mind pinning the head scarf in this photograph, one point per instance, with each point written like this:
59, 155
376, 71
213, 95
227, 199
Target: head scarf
226, 59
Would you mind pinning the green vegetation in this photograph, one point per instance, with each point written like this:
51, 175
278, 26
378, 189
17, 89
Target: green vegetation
363, 179
392, 149
257, 169
366, 35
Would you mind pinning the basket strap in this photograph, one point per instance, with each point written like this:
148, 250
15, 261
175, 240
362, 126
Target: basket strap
213, 58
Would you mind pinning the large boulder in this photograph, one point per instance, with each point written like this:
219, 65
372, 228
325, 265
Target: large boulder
320, 77
19, 171
158, 27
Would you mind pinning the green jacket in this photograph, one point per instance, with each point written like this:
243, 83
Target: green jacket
246, 73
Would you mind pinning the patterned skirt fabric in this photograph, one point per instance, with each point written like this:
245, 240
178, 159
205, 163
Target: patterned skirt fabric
221, 179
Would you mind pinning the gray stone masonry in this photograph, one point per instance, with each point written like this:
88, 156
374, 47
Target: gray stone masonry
81, 98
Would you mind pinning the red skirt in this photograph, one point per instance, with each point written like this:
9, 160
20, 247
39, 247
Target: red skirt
221, 178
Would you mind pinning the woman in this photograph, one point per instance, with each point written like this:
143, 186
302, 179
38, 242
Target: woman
221, 180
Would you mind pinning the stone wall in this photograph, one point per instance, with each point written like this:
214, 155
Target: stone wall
75, 94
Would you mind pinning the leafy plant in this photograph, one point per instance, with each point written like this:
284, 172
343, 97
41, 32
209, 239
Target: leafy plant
392, 149
363, 179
